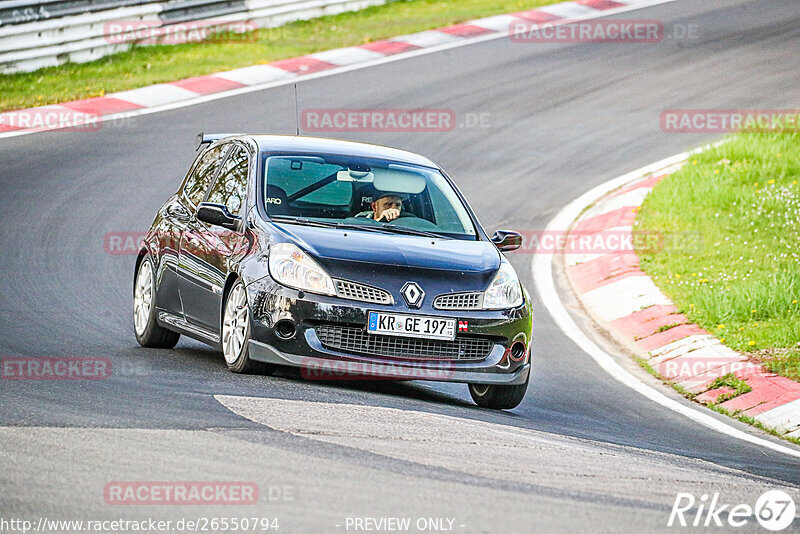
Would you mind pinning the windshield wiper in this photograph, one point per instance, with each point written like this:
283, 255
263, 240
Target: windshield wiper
385, 228
411, 231
325, 224
301, 220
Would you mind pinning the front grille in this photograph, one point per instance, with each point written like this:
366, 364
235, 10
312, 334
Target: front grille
355, 340
459, 301
361, 292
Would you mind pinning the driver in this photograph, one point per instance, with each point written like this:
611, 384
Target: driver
386, 207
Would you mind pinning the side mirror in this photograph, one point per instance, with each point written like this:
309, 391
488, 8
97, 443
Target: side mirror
218, 215
506, 240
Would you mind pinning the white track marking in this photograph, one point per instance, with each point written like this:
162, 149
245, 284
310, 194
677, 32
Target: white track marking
568, 10
347, 56
256, 74
427, 38
498, 23
160, 94
629, 200
781, 417
544, 283
623, 298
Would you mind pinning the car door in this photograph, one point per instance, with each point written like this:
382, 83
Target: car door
172, 221
195, 190
206, 249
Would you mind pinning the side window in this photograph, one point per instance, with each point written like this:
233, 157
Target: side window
231, 185
197, 184
444, 202
446, 217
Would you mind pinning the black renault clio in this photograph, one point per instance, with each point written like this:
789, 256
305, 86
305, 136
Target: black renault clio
341, 258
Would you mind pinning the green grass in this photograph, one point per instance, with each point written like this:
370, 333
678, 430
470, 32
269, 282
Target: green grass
730, 381
145, 65
731, 260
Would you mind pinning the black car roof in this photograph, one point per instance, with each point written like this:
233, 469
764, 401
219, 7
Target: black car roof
321, 145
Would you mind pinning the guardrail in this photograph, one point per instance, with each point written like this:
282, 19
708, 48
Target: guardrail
22, 11
52, 32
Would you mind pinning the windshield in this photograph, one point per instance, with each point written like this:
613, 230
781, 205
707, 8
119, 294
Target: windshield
373, 195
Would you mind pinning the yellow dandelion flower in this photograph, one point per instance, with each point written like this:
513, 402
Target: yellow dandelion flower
752, 311
794, 301
751, 343
720, 326
722, 340
756, 184
716, 171
694, 162
771, 182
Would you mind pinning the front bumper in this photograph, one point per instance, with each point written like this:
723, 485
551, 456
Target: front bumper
271, 303
349, 366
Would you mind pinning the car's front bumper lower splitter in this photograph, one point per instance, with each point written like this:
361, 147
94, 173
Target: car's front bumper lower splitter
320, 368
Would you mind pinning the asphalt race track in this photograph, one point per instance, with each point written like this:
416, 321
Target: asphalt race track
581, 452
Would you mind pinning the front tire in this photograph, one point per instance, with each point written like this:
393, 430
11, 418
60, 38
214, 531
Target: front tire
236, 333
498, 397
145, 326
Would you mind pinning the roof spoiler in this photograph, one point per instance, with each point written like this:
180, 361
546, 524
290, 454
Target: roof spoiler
205, 139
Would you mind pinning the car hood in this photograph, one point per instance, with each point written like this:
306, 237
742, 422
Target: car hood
332, 245
389, 261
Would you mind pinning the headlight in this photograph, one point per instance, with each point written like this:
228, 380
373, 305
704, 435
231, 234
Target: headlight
292, 267
505, 290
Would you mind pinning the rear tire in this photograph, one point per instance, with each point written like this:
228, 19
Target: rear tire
498, 397
145, 326
236, 333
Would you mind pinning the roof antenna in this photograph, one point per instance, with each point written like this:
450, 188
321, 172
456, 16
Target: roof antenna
296, 113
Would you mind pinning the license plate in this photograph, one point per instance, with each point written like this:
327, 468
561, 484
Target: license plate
394, 324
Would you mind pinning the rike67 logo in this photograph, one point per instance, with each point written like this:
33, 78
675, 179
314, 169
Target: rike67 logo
774, 510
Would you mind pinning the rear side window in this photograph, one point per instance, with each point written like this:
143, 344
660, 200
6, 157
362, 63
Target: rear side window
198, 182
231, 185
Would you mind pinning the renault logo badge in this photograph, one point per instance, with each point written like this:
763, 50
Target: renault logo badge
413, 294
